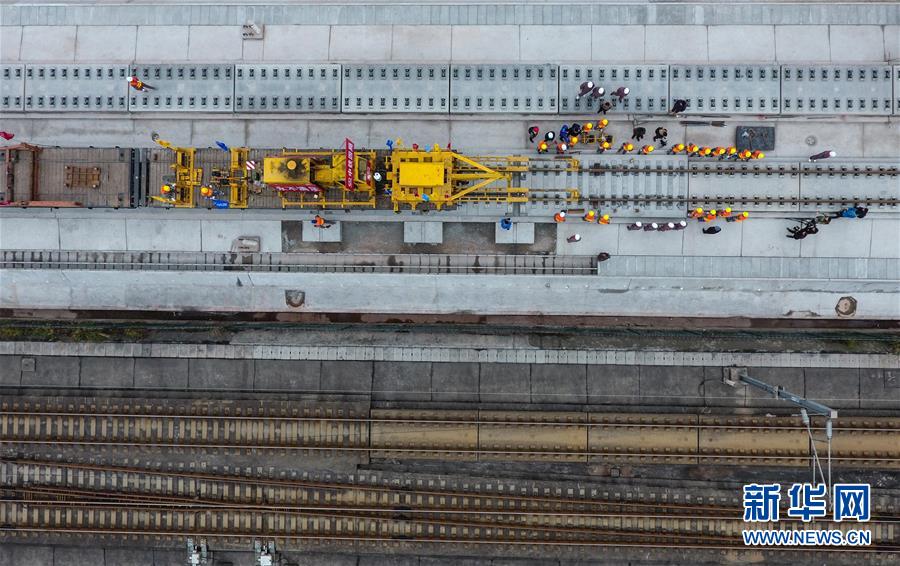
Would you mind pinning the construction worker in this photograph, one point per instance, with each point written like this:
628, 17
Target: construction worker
505, 224
604, 146
637, 134
824, 155
584, 88
206, 192
621, 92
730, 152
680, 225
598, 92
626, 147
709, 216
319, 222
561, 147
718, 151
602, 124
573, 141
726, 214
652, 227
588, 126
574, 130
745, 155
647, 149
692, 149
660, 135
605, 107
542, 147
533, 131
704, 151
678, 107
574, 238
549, 136
667, 226
139, 85
757, 154
166, 191
739, 218
589, 216
697, 213
677, 148
564, 133
560, 216
635, 226
603, 219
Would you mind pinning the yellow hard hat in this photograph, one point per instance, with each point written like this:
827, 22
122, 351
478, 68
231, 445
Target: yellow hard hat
606, 217
713, 212
165, 189
573, 140
745, 214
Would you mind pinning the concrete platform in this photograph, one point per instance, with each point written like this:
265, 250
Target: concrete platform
330, 234
423, 232
500, 295
520, 233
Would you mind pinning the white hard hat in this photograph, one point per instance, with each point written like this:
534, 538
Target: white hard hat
654, 225
638, 224
671, 224
129, 78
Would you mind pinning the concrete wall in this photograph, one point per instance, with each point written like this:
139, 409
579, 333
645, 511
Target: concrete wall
458, 43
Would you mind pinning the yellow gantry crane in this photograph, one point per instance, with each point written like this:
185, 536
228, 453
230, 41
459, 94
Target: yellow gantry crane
444, 177
187, 177
340, 178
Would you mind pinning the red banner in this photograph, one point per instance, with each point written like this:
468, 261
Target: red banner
349, 155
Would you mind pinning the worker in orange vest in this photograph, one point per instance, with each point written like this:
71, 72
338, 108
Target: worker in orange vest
603, 219
542, 147
693, 149
709, 216
757, 154
705, 151
739, 218
561, 147
726, 214
560, 216
697, 213
587, 127
745, 155
604, 146
589, 216
573, 141
139, 85
718, 151
647, 149
166, 190
730, 152
319, 222
206, 192
602, 123
626, 147
677, 148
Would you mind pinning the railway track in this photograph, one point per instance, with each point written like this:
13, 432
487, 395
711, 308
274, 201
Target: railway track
449, 435
64, 498
303, 262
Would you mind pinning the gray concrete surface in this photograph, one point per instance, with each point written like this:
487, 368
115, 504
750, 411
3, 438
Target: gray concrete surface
487, 294
488, 383
675, 32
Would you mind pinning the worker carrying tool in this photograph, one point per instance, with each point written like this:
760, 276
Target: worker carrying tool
139, 85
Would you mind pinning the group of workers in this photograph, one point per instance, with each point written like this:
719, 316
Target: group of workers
570, 135
589, 90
